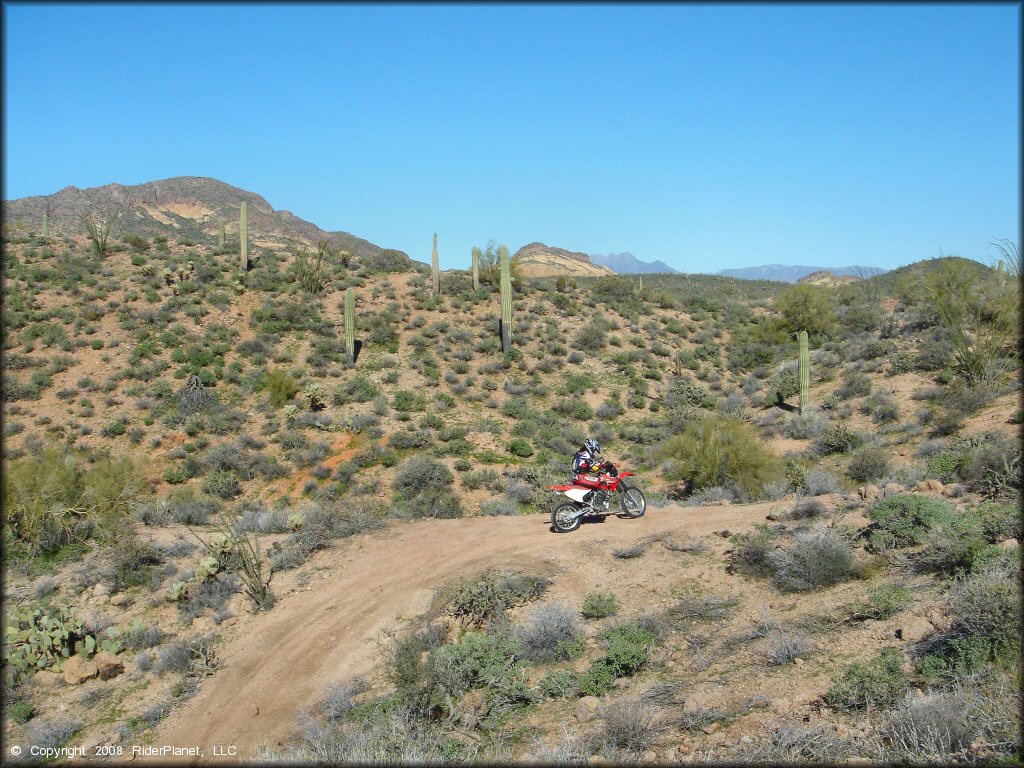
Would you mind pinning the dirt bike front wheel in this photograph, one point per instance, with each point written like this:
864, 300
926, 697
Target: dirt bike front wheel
633, 502
566, 518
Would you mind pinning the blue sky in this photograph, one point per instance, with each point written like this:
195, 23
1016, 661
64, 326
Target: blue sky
707, 136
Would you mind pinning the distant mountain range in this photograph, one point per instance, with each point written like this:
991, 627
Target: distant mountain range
628, 264
183, 207
790, 274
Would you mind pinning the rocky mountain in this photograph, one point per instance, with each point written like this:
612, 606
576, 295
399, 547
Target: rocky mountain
824, 277
628, 264
190, 207
539, 260
790, 274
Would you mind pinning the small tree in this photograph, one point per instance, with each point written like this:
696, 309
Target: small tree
807, 307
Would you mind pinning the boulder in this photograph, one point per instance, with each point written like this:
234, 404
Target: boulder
48, 680
101, 590
939, 620
1009, 544
891, 489
914, 629
120, 599
868, 492
108, 665
934, 485
78, 669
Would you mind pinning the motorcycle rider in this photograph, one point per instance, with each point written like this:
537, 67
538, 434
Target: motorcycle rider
587, 465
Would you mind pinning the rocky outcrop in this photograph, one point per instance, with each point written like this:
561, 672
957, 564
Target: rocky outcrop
539, 260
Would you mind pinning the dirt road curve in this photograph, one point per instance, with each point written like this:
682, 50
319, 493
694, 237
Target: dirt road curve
278, 665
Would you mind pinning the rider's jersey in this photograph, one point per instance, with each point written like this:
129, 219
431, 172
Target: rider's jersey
584, 462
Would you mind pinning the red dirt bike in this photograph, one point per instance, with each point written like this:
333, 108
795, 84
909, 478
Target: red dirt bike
597, 501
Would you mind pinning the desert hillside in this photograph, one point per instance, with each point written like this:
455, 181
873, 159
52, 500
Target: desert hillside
238, 513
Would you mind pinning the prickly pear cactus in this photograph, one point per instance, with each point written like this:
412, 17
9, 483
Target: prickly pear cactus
295, 520
36, 639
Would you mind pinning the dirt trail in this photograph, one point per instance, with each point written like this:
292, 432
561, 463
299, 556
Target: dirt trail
278, 664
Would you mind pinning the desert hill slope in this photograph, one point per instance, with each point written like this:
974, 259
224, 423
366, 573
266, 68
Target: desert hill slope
190, 207
795, 577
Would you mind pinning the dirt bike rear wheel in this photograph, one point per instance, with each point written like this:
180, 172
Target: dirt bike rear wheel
633, 502
565, 518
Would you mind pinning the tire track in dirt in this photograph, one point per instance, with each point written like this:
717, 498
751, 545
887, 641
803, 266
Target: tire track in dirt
278, 663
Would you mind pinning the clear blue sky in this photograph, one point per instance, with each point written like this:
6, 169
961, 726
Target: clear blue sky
707, 136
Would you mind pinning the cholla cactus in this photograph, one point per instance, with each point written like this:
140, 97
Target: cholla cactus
178, 591
208, 568
313, 397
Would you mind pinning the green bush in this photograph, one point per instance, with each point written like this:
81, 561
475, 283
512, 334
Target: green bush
281, 385
885, 601
806, 307
597, 605
751, 550
987, 605
818, 558
520, 447
406, 401
868, 463
626, 651
719, 451
49, 496
906, 518
222, 483
876, 683
837, 439
560, 684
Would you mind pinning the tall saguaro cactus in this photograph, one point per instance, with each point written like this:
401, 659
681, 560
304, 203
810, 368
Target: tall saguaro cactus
805, 375
46, 226
350, 325
434, 268
506, 300
476, 268
220, 237
243, 236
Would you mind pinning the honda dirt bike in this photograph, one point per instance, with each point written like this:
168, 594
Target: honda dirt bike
585, 501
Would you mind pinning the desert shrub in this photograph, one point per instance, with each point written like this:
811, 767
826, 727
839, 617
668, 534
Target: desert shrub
597, 605
786, 745
478, 478
629, 725
998, 521
551, 633
986, 605
479, 660
805, 427
281, 386
520, 447
995, 467
819, 558
807, 509
855, 384
53, 733
626, 652
784, 646
499, 506
906, 518
131, 561
883, 601
955, 544
751, 550
212, 594
694, 605
53, 494
258, 518
878, 682
821, 481
559, 684
477, 600
222, 484
868, 463
420, 474
837, 439
718, 451
140, 636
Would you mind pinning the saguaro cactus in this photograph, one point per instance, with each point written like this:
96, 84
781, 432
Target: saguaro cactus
506, 300
641, 285
220, 237
350, 325
46, 226
434, 269
243, 236
805, 375
476, 268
